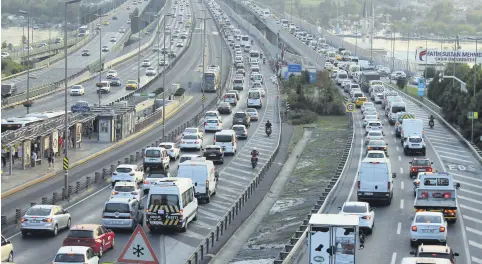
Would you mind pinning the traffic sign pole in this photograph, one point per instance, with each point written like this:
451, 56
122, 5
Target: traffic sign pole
350, 107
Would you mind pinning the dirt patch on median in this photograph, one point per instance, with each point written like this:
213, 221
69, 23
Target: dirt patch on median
313, 171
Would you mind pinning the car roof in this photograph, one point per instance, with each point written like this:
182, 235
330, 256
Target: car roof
89, 227
125, 183
355, 204
214, 119
213, 146
434, 248
72, 249
429, 213
376, 151
191, 155
126, 166
190, 128
167, 143
118, 200
44, 206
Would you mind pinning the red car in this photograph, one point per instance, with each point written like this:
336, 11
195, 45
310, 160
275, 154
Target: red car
96, 237
420, 165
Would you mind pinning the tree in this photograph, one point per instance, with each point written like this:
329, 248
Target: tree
4, 44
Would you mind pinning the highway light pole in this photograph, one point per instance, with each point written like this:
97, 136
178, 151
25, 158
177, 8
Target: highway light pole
28, 58
100, 54
204, 18
66, 116
164, 79
138, 52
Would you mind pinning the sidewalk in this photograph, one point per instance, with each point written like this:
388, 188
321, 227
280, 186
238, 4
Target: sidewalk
20, 176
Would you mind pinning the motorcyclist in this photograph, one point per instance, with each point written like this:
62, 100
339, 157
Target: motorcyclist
254, 154
264, 60
430, 122
268, 124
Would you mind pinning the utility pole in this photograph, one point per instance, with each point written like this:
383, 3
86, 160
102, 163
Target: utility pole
204, 18
164, 79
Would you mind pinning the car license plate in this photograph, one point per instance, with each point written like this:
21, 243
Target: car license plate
421, 169
368, 193
212, 155
156, 222
428, 231
415, 145
116, 222
190, 142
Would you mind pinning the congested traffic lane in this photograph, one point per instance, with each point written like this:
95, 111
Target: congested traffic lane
390, 241
76, 62
126, 71
182, 245
185, 69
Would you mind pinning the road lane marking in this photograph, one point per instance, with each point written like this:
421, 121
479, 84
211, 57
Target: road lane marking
469, 199
471, 192
398, 148
402, 185
475, 244
470, 208
466, 177
401, 170
399, 228
358, 170
477, 232
401, 204
394, 258
456, 155
461, 151
399, 157
477, 220
476, 260
461, 160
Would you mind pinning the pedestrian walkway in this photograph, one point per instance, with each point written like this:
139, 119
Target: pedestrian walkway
20, 176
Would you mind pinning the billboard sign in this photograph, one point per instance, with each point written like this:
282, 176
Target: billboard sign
421, 87
436, 56
294, 67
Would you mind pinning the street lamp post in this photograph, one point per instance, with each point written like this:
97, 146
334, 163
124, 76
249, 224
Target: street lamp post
100, 54
204, 19
66, 123
28, 58
408, 51
164, 79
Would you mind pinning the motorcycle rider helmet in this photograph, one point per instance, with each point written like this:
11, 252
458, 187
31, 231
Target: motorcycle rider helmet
255, 149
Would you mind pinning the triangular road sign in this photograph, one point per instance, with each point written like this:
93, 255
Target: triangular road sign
138, 249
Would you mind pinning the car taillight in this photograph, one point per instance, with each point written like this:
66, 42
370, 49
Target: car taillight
441, 229
205, 123
181, 212
389, 184
146, 182
48, 220
358, 184
369, 148
366, 217
424, 195
196, 142
217, 124
183, 142
24, 220
414, 169
414, 228
214, 140
447, 195
429, 169
115, 192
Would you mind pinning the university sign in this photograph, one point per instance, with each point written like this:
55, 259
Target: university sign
448, 56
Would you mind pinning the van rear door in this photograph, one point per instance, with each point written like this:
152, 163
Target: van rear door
373, 177
198, 174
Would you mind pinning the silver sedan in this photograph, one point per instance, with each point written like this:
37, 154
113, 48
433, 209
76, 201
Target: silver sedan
45, 218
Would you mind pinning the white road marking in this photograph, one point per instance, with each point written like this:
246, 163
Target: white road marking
401, 203
469, 199
358, 170
401, 170
477, 232
471, 192
402, 185
466, 177
461, 151
394, 258
477, 220
475, 244
398, 148
476, 260
461, 160
470, 208
399, 157
399, 228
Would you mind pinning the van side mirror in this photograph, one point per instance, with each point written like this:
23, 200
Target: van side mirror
196, 195
431, 162
413, 253
394, 175
457, 185
195, 184
455, 254
10, 242
409, 162
339, 207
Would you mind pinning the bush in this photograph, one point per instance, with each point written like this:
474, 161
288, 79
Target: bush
179, 92
301, 117
158, 91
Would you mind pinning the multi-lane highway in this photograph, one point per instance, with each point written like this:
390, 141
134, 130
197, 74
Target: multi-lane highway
236, 173
126, 71
390, 239
76, 62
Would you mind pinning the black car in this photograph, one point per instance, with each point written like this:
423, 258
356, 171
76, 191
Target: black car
116, 81
85, 53
114, 18
377, 145
172, 54
241, 118
214, 153
225, 108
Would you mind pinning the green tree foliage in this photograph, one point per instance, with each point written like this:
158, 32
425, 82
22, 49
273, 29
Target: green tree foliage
457, 104
307, 100
4, 44
10, 67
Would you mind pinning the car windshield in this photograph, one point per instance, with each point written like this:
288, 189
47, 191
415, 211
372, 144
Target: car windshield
131, 82
433, 255
190, 130
375, 155
223, 138
421, 162
396, 109
428, 219
166, 146
238, 128
211, 114
116, 207
251, 111
69, 258
375, 134
212, 149
190, 137
153, 153
377, 143
212, 121
77, 87
415, 140
156, 175
124, 188
38, 211
374, 124
224, 105
125, 170
239, 115
184, 158
81, 233
354, 209
164, 199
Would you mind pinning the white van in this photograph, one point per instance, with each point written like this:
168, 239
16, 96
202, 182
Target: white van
410, 127
156, 158
203, 176
395, 107
341, 76
375, 180
238, 59
247, 48
254, 98
171, 203
226, 139
415, 260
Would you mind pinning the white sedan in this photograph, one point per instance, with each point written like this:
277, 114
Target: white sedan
126, 190
180, 44
428, 227
151, 71
213, 124
363, 210
152, 178
368, 112
111, 74
192, 130
77, 90
146, 63
367, 105
172, 150
374, 135
369, 118
191, 141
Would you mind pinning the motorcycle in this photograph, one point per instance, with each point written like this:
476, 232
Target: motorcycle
431, 123
268, 131
254, 162
264, 60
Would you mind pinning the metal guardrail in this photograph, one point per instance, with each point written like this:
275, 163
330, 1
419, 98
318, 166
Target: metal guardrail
438, 115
